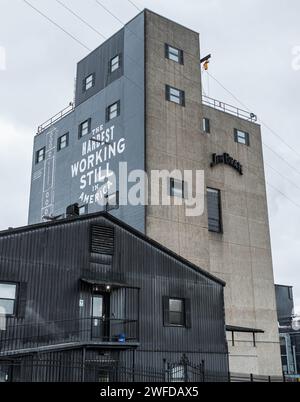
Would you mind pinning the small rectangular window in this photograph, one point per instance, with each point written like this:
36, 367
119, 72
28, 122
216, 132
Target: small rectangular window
8, 294
214, 210
63, 142
115, 63
40, 155
113, 111
175, 95
174, 54
176, 312
85, 128
206, 125
241, 137
88, 82
177, 188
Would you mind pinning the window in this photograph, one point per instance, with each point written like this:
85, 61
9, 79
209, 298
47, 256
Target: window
63, 142
206, 125
83, 210
8, 292
115, 63
172, 53
177, 188
241, 137
85, 128
214, 210
175, 95
40, 155
88, 82
176, 312
113, 111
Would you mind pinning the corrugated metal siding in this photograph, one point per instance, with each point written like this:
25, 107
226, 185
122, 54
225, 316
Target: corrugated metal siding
51, 260
98, 63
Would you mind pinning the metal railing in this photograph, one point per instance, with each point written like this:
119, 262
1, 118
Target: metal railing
56, 117
74, 370
87, 330
233, 110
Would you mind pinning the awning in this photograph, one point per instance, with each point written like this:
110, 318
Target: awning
112, 284
231, 328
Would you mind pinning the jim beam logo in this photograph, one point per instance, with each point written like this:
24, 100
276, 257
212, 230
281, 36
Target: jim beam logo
226, 159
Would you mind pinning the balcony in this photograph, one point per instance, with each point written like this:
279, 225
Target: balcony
233, 110
60, 335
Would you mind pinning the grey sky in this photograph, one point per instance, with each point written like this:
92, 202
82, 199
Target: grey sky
251, 42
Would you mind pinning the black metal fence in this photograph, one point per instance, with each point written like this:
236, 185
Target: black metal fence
49, 370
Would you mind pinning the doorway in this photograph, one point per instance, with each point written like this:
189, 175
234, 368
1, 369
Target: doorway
100, 316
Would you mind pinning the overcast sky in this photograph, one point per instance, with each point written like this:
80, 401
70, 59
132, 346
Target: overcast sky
252, 42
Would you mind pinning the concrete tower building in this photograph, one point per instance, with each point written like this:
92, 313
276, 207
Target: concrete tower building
140, 94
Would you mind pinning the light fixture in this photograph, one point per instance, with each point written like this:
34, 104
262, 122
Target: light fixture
108, 288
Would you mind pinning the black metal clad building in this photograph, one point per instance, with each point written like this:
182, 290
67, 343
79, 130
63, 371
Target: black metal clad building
96, 300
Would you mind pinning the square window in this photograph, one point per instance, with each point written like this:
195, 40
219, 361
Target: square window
241, 137
115, 63
175, 95
113, 111
89, 82
8, 292
177, 188
40, 155
63, 142
85, 128
206, 125
174, 54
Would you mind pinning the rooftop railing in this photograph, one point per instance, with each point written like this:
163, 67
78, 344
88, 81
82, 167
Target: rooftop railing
57, 117
233, 110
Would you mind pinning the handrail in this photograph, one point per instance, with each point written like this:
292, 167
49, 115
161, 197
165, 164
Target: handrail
225, 107
53, 333
56, 117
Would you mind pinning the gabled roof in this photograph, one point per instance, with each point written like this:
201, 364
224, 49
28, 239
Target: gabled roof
119, 223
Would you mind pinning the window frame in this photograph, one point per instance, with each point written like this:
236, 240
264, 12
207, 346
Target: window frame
112, 65
172, 183
86, 83
117, 111
80, 129
37, 159
182, 313
241, 140
15, 300
169, 53
171, 97
206, 125
210, 229
59, 142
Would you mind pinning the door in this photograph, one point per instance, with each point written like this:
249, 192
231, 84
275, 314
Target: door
100, 317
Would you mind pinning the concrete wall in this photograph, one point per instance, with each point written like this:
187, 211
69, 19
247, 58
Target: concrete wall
242, 254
